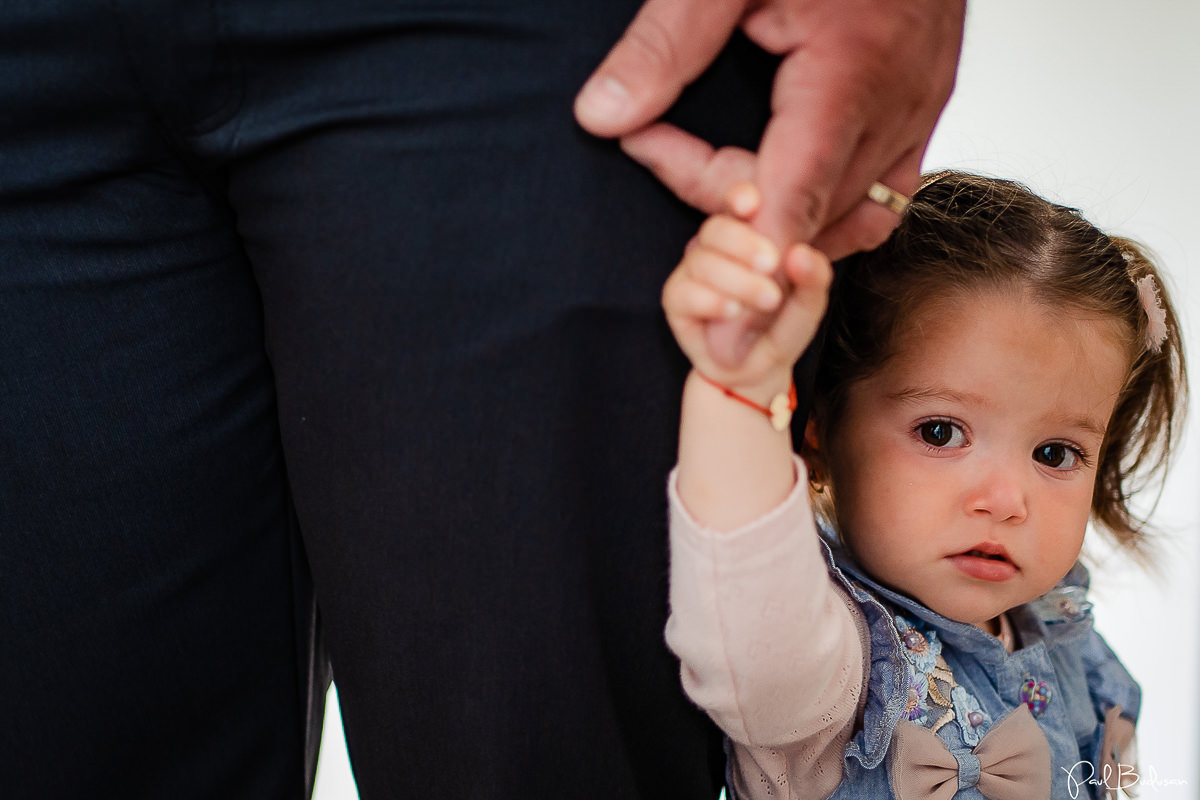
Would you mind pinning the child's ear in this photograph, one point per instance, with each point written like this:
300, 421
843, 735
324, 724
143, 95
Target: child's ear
811, 439
810, 451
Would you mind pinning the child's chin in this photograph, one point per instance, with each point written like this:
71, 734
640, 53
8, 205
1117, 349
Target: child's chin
972, 607
981, 614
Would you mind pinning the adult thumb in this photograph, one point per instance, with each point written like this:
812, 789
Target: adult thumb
666, 47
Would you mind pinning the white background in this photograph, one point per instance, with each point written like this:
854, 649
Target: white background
1093, 103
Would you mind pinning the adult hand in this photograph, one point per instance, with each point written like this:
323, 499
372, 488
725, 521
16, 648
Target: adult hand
856, 96
858, 91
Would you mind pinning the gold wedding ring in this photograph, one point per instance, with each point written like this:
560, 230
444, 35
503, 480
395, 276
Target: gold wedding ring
888, 197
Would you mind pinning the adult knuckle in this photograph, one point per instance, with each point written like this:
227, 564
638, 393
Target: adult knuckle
804, 209
695, 193
726, 161
652, 44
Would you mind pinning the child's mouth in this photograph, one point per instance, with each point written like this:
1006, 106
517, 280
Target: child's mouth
981, 554
988, 561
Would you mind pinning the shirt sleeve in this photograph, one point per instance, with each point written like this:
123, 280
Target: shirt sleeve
769, 646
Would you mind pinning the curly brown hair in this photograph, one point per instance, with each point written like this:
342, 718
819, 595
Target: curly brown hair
967, 232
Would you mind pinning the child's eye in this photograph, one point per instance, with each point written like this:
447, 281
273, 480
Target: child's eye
941, 433
1059, 456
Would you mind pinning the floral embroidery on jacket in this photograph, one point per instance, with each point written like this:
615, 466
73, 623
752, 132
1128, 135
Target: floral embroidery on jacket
922, 648
915, 708
934, 696
973, 721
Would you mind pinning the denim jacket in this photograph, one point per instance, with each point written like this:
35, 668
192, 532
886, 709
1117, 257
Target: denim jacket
1062, 671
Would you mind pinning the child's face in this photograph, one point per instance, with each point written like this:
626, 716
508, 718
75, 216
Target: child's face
963, 469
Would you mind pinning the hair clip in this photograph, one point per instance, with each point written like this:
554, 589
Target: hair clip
1156, 315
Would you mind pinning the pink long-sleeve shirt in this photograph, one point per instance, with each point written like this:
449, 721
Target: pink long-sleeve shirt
770, 647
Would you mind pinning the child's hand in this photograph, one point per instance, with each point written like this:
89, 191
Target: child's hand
727, 272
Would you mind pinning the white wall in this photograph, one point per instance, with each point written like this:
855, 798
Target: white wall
1093, 103
334, 780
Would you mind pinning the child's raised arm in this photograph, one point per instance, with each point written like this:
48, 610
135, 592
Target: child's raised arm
768, 645
734, 465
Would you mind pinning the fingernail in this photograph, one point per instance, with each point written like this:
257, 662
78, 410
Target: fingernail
604, 99
732, 309
768, 299
743, 201
764, 261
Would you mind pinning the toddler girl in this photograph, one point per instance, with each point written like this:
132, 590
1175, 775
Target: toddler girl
993, 377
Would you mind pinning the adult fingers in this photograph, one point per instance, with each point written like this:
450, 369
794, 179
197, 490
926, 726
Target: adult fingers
861, 87
822, 150
690, 167
666, 46
868, 224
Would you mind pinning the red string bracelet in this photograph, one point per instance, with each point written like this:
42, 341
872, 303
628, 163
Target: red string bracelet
779, 412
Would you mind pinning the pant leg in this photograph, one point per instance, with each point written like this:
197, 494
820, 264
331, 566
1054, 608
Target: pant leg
477, 393
152, 621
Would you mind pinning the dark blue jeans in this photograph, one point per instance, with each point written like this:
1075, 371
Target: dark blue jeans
354, 259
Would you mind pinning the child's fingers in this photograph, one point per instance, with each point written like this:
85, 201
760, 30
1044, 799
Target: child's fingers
743, 199
810, 274
808, 269
732, 279
689, 299
737, 240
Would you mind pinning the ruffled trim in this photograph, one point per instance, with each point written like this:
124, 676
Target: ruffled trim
888, 684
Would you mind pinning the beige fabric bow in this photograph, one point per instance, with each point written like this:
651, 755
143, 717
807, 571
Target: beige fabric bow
1011, 762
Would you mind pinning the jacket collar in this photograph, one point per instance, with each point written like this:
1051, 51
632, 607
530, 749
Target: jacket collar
1036, 621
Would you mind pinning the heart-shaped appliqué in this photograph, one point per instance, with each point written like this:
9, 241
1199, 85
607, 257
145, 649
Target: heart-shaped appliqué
1036, 694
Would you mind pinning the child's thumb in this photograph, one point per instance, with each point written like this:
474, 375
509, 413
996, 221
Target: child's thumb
810, 274
730, 341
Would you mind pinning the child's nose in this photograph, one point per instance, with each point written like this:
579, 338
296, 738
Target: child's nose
999, 493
